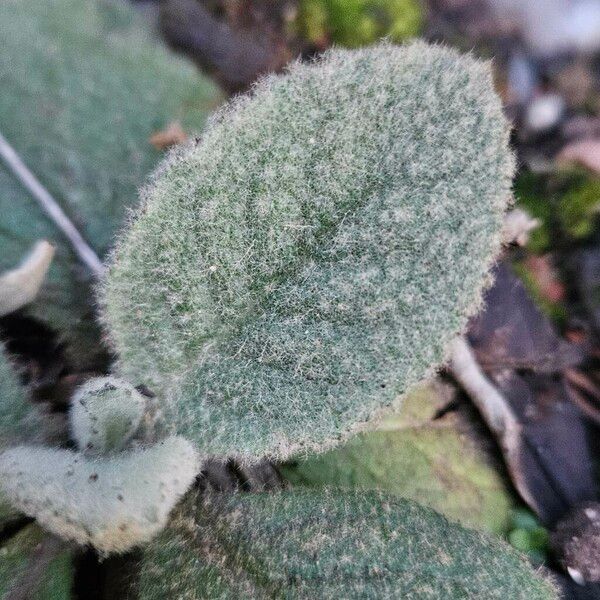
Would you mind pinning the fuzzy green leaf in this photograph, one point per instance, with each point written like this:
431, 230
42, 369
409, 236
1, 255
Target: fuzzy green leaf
105, 414
354, 23
579, 206
310, 259
328, 544
112, 503
84, 86
433, 462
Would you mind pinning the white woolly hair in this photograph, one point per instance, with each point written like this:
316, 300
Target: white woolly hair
311, 257
111, 503
105, 414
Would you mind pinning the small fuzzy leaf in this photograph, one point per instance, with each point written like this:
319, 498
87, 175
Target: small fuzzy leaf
105, 414
310, 258
20, 286
111, 503
328, 545
19, 423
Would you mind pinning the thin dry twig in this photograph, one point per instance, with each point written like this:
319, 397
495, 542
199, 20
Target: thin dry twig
490, 403
50, 206
494, 409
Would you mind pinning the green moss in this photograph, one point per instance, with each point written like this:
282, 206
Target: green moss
531, 195
354, 23
578, 207
528, 535
84, 86
328, 544
308, 261
105, 415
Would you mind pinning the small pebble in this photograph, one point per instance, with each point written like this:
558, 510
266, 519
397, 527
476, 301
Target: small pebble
544, 112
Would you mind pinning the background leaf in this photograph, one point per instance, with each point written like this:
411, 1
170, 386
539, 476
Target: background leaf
84, 86
328, 544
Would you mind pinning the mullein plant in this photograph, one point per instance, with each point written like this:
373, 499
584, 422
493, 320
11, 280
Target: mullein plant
287, 278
